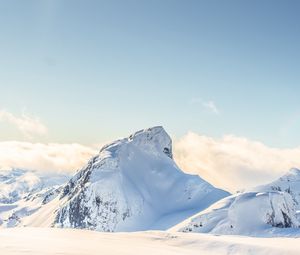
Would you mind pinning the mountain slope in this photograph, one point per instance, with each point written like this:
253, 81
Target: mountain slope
131, 185
264, 209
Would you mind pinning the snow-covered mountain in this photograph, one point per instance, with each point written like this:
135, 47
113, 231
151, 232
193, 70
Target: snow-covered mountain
253, 212
23, 192
132, 184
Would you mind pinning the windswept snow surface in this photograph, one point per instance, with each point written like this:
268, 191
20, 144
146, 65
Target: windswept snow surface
270, 209
43, 241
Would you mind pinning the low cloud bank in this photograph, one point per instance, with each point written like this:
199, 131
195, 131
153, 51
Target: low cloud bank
232, 163
44, 157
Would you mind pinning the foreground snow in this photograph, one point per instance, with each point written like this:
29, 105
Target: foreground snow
70, 241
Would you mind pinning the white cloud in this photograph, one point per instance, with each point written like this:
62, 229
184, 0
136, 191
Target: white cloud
44, 157
26, 124
208, 105
233, 162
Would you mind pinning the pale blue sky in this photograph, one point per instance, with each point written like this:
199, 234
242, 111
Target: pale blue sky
92, 71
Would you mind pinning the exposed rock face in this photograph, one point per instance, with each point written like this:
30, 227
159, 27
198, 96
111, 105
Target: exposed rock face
130, 185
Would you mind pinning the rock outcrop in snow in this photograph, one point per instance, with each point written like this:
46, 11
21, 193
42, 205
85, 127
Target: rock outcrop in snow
252, 212
131, 185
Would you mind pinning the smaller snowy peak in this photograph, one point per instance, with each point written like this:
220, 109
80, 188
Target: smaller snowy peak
247, 213
290, 183
292, 175
268, 207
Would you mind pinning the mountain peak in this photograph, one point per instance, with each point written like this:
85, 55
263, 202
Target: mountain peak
154, 139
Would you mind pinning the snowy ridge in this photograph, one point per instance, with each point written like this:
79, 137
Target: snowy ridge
258, 211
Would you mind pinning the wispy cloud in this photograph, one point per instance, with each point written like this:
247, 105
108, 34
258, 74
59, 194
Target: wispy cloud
211, 106
28, 125
208, 105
